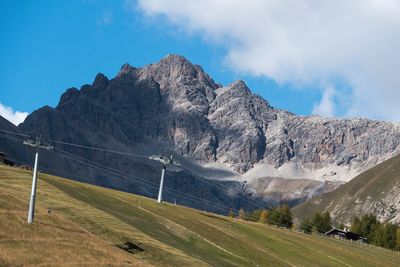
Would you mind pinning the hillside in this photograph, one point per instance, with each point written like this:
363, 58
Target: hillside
374, 191
88, 221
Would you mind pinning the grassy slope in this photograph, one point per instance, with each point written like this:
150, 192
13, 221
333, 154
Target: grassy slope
88, 220
347, 200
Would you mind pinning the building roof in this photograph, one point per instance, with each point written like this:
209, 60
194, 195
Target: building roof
346, 234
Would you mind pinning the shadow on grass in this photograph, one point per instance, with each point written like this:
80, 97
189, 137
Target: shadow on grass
131, 247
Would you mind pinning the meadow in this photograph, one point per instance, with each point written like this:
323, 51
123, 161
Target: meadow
95, 226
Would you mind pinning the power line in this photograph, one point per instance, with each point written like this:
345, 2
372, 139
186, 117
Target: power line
99, 149
146, 182
83, 146
14, 138
109, 169
204, 180
97, 165
172, 191
216, 184
16, 133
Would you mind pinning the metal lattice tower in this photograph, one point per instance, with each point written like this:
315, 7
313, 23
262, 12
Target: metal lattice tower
37, 144
164, 161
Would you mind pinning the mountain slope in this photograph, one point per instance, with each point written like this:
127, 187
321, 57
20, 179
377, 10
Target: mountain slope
373, 191
52, 240
170, 235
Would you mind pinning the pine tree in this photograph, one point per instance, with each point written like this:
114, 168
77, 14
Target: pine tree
254, 215
368, 225
322, 222
281, 216
287, 218
378, 236
389, 235
356, 226
306, 226
398, 239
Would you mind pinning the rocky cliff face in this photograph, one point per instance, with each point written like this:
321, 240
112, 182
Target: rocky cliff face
174, 105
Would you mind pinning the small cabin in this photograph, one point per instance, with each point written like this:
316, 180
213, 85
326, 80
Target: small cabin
347, 235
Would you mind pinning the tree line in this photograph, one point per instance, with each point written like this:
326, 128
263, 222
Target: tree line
281, 216
385, 235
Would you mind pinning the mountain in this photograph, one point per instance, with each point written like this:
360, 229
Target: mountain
94, 226
223, 133
373, 191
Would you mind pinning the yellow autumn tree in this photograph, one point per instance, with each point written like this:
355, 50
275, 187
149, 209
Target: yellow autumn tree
263, 217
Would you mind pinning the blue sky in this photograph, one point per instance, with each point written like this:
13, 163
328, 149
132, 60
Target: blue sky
49, 46
337, 59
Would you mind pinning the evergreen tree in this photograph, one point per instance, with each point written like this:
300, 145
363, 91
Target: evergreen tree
398, 239
368, 225
322, 222
254, 215
281, 216
326, 216
356, 226
341, 226
378, 236
306, 226
389, 235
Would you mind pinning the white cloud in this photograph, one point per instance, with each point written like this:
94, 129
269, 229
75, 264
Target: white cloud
15, 117
327, 105
308, 42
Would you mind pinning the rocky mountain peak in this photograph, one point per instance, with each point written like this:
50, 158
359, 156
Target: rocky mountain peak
174, 59
101, 81
174, 70
239, 88
125, 69
175, 102
239, 84
70, 94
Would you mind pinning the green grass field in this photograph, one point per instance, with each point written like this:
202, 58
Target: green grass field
88, 222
